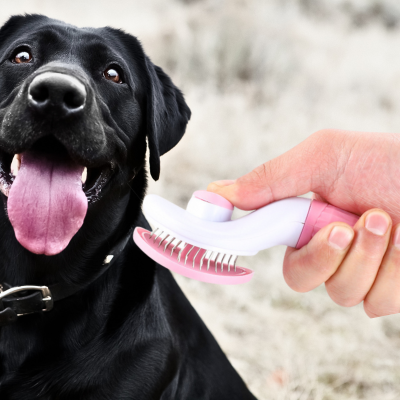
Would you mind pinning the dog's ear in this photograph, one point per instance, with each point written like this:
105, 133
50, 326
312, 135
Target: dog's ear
167, 115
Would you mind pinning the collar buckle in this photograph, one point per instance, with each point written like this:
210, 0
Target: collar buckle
46, 294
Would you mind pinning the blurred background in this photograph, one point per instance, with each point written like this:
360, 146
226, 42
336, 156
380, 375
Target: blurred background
260, 76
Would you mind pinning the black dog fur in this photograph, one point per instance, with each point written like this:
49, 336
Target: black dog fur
131, 334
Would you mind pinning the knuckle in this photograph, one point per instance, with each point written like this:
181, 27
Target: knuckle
341, 297
259, 174
322, 257
306, 271
375, 310
264, 173
369, 247
259, 178
292, 279
372, 311
348, 302
295, 285
392, 262
369, 253
294, 276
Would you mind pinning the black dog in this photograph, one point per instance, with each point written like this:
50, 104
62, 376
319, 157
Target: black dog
120, 327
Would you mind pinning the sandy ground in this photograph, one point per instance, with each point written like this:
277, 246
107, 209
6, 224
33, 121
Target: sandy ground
260, 76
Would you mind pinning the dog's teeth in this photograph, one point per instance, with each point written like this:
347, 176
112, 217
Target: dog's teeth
15, 164
84, 175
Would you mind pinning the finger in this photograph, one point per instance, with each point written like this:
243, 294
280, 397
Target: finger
354, 278
313, 264
313, 165
384, 296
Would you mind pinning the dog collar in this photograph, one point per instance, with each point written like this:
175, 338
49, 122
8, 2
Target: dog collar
23, 300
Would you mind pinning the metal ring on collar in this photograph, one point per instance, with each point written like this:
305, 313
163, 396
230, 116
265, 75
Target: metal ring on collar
48, 300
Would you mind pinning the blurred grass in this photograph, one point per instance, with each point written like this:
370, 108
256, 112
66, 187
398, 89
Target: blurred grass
260, 76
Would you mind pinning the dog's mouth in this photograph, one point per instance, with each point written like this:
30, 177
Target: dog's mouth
48, 194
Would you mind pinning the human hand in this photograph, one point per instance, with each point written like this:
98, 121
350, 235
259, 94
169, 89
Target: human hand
358, 172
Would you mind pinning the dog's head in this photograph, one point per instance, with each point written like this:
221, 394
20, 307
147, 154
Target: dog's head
76, 107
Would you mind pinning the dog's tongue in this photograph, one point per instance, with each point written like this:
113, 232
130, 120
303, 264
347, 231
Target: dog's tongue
46, 203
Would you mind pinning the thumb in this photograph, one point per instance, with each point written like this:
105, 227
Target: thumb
310, 166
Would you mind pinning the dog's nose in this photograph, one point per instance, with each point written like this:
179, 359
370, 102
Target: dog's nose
57, 93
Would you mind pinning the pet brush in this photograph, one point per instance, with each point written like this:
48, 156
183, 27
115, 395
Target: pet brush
203, 243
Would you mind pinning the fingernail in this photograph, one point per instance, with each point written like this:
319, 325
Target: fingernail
396, 240
377, 223
340, 237
225, 182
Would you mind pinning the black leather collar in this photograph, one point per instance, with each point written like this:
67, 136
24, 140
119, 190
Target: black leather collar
22, 300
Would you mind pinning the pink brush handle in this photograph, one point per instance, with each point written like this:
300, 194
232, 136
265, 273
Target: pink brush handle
322, 214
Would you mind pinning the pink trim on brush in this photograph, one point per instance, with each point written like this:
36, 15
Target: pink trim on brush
213, 198
141, 237
320, 215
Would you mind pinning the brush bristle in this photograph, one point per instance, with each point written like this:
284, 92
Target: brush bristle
189, 254
191, 261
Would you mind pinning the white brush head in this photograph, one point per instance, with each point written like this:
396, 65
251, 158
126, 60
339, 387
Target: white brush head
278, 223
203, 243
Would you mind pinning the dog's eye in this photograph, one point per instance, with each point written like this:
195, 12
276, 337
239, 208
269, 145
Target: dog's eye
112, 75
22, 57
